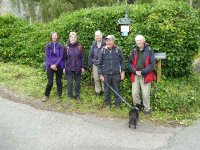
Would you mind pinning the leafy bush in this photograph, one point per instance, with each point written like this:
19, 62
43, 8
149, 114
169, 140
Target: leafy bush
20, 42
169, 26
177, 95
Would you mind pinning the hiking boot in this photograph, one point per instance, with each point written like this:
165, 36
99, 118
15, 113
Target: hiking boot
147, 113
139, 106
107, 107
118, 107
58, 98
78, 99
71, 97
102, 93
45, 99
98, 94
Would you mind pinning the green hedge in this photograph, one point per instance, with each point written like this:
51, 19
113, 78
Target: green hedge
175, 95
169, 26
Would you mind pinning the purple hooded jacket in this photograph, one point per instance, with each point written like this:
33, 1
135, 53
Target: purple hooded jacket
54, 57
74, 58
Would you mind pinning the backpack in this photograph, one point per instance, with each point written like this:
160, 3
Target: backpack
79, 48
117, 49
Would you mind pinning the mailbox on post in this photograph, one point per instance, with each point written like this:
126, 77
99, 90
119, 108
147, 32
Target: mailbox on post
159, 57
125, 23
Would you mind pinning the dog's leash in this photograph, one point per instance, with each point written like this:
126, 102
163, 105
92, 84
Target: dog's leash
118, 95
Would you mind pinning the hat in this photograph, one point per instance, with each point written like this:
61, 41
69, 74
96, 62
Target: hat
110, 37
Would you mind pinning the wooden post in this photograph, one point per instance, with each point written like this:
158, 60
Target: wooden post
159, 57
159, 71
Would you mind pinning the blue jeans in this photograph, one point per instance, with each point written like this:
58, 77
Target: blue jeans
76, 77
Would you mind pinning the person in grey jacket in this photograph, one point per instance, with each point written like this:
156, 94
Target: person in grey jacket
93, 60
111, 69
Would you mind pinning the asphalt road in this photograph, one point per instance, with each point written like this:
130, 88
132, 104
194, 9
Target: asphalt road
23, 127
188, 139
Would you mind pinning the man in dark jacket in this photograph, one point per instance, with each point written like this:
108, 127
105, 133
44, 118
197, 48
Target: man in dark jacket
111, 69
93, 60
141, 64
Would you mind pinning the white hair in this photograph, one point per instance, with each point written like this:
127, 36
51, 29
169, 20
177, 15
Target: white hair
139, 37
98, 33
72, 33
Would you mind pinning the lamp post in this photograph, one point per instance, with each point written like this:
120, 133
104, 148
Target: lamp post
125, 23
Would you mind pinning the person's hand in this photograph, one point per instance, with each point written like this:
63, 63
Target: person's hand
53, 67
82, 70
122, 75
138, 73
101, 77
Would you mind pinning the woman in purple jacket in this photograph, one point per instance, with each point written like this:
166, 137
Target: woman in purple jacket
54, 65
74, 65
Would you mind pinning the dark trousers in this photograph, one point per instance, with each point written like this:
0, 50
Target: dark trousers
114, 81
50, 76
70, 77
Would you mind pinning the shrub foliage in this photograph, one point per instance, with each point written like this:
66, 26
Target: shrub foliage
169, 26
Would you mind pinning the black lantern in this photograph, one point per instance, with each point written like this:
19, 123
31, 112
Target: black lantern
125, 23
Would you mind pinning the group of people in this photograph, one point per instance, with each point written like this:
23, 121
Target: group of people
107, 63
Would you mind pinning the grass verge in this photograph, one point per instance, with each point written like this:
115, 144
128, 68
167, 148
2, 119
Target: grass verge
30, 84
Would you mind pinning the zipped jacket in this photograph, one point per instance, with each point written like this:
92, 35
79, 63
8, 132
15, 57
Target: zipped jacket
54, 57
148, 59
74, 58
94, 53
111, 61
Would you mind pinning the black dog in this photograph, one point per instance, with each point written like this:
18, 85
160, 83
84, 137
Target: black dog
133, 116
